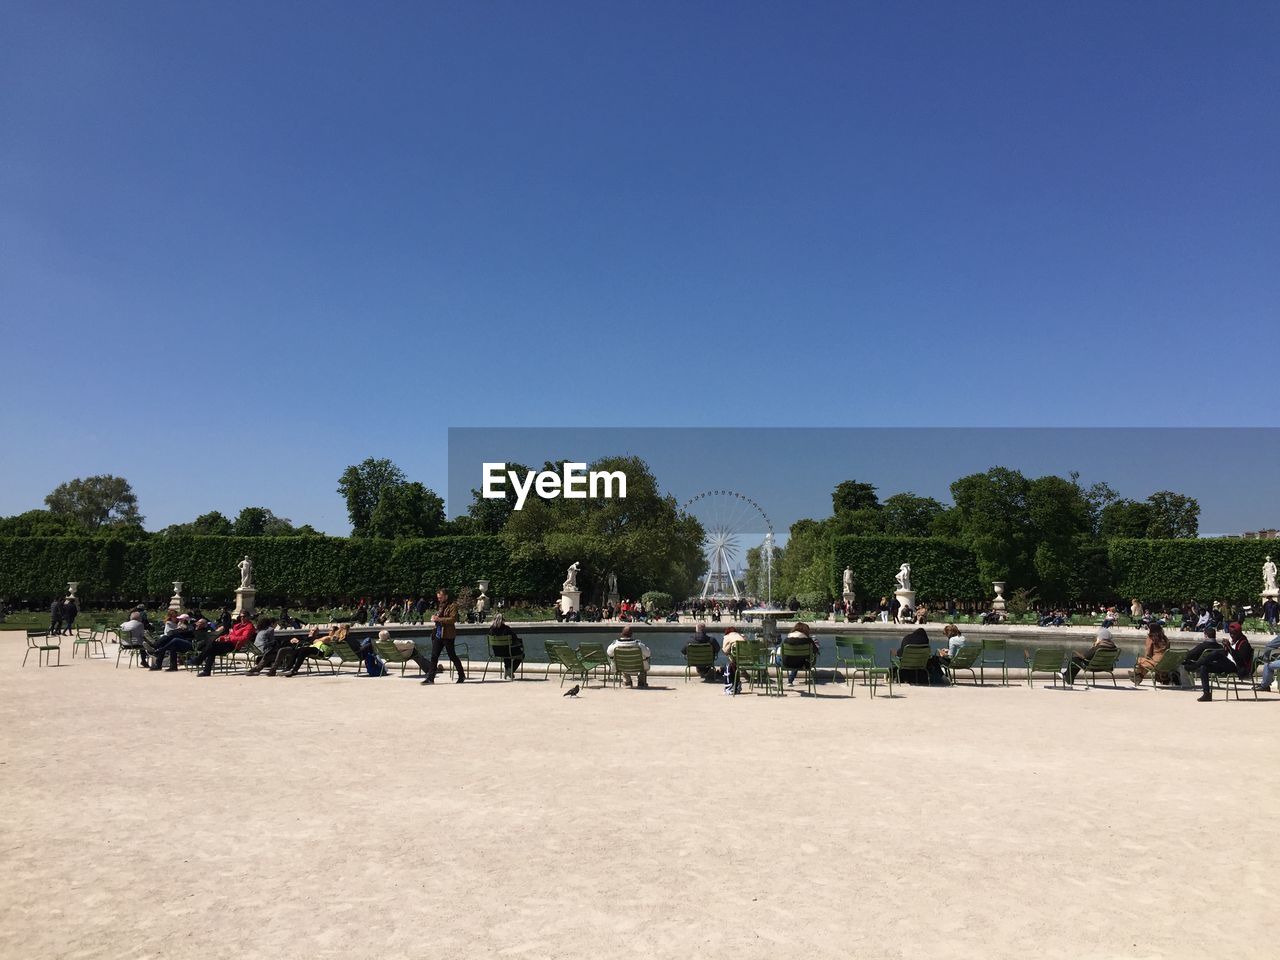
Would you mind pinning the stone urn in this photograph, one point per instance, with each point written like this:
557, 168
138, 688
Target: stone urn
72, 586
998, 603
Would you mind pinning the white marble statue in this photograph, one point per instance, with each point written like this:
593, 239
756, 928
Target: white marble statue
1269, 577
848, 580
571, 576
904, 577
246, 573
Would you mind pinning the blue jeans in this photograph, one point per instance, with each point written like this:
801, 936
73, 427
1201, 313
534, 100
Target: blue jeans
1268, 669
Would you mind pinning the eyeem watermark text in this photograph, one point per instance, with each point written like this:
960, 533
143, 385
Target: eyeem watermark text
573, 482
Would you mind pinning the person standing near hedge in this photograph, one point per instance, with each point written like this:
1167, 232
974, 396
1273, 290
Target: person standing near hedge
55, 617
444, 637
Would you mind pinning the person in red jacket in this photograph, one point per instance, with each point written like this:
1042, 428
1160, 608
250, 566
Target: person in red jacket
241, 632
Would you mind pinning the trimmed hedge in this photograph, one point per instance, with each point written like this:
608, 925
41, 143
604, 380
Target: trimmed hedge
940, 569
285, 568
1176, 571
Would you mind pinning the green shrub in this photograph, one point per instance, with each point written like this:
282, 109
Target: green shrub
655, 601
1175, 571
292, 570
940, 569
814, 600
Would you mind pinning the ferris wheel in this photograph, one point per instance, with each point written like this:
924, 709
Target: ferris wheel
728, 519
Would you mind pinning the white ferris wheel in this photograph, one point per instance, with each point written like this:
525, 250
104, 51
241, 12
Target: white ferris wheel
729, 521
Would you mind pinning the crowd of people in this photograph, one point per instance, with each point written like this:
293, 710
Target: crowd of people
1222, 649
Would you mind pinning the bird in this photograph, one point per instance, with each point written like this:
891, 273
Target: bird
573, 691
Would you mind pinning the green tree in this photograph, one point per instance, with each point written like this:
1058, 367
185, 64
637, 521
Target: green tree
362, 487
1174, 516
407, 510
906, 515
96, 502
805, 566
1059, 515
40, 523
851, 495
490, 516
643, 537
212, 524
1125, 518
865, 522
992, 519
1098, 497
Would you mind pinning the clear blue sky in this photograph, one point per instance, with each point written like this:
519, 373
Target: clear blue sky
245, 245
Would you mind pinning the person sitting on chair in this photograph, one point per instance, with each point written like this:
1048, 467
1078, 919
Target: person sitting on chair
625, 642
1156, 647
512, 663
710, 674
955, 640
133, 635
793, 664
233, 640
916, 638
182, 639
732, 680
291, 655
1234, 654
1079, 660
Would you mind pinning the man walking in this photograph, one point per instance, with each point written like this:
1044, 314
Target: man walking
444, 636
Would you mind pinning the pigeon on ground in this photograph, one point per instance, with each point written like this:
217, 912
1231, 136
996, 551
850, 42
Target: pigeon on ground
573, 691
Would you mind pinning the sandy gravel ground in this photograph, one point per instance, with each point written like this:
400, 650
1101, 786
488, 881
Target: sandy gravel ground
162, 815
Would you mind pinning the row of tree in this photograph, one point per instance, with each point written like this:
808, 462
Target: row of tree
643, 538
1047, 533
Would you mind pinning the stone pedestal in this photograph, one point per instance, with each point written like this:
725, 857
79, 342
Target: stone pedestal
614, 600
998, 603
482, 601
570, 601
71, 589
906, 598
245, 598
175, 602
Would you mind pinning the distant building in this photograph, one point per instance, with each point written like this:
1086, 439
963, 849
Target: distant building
1261, 534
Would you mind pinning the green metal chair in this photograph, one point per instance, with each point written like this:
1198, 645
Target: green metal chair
86, 637
626, 661
698, 656
1169, 663
1230, 681
798, 650
44, 645
847, 655
751, 658
594, 657
1102, 661
571, 664
859, 657
1045, 660
498, 650
995, 653
127, 646
965, 658
342, 650
914, 657
389, 652
551, 657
